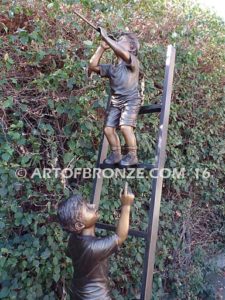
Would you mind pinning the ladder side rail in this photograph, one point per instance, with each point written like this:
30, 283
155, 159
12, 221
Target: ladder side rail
98, 181
157, 179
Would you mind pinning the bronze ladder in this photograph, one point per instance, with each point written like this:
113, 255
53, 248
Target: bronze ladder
150, 235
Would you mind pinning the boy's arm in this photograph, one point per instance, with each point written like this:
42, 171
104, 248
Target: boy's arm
127, 198
102, 248
94, 61
119, 51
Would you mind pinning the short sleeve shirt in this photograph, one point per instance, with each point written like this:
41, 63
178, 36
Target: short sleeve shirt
89, 256
123, 77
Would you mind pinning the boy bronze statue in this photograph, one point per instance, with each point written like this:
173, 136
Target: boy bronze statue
88, 253
125, 98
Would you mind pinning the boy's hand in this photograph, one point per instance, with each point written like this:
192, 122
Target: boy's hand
126, 196
104, 45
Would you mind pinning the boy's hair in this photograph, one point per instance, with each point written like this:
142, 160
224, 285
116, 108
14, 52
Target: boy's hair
69, 212
134, 43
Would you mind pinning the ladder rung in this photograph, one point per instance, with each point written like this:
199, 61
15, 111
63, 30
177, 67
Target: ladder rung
146, 109
132, 232
145, 166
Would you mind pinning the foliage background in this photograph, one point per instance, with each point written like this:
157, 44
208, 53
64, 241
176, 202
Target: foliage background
52, 116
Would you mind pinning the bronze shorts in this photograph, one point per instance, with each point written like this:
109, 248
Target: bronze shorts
124, 113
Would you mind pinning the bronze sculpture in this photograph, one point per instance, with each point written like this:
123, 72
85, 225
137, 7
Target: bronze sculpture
88, 253
125, 97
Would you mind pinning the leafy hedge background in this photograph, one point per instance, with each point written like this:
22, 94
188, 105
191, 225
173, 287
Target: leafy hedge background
52, 116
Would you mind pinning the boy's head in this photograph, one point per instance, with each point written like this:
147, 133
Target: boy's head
75, 214
130, 42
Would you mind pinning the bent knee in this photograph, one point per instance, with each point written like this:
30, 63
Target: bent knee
109, 130
126, 128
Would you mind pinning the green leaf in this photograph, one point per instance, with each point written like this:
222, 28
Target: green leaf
4, 250
2, 225
3, 192
68, 157
56, 276
8, 103
46, 254
25, 159
4, 292
88, 43
6, 156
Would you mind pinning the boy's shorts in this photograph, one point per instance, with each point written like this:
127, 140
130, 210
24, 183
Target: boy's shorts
123, 114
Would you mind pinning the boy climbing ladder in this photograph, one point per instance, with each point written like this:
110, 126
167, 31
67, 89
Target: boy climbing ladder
125, 98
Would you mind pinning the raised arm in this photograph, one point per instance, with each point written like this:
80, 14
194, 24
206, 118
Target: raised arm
94, 61
118, 49
127, 198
